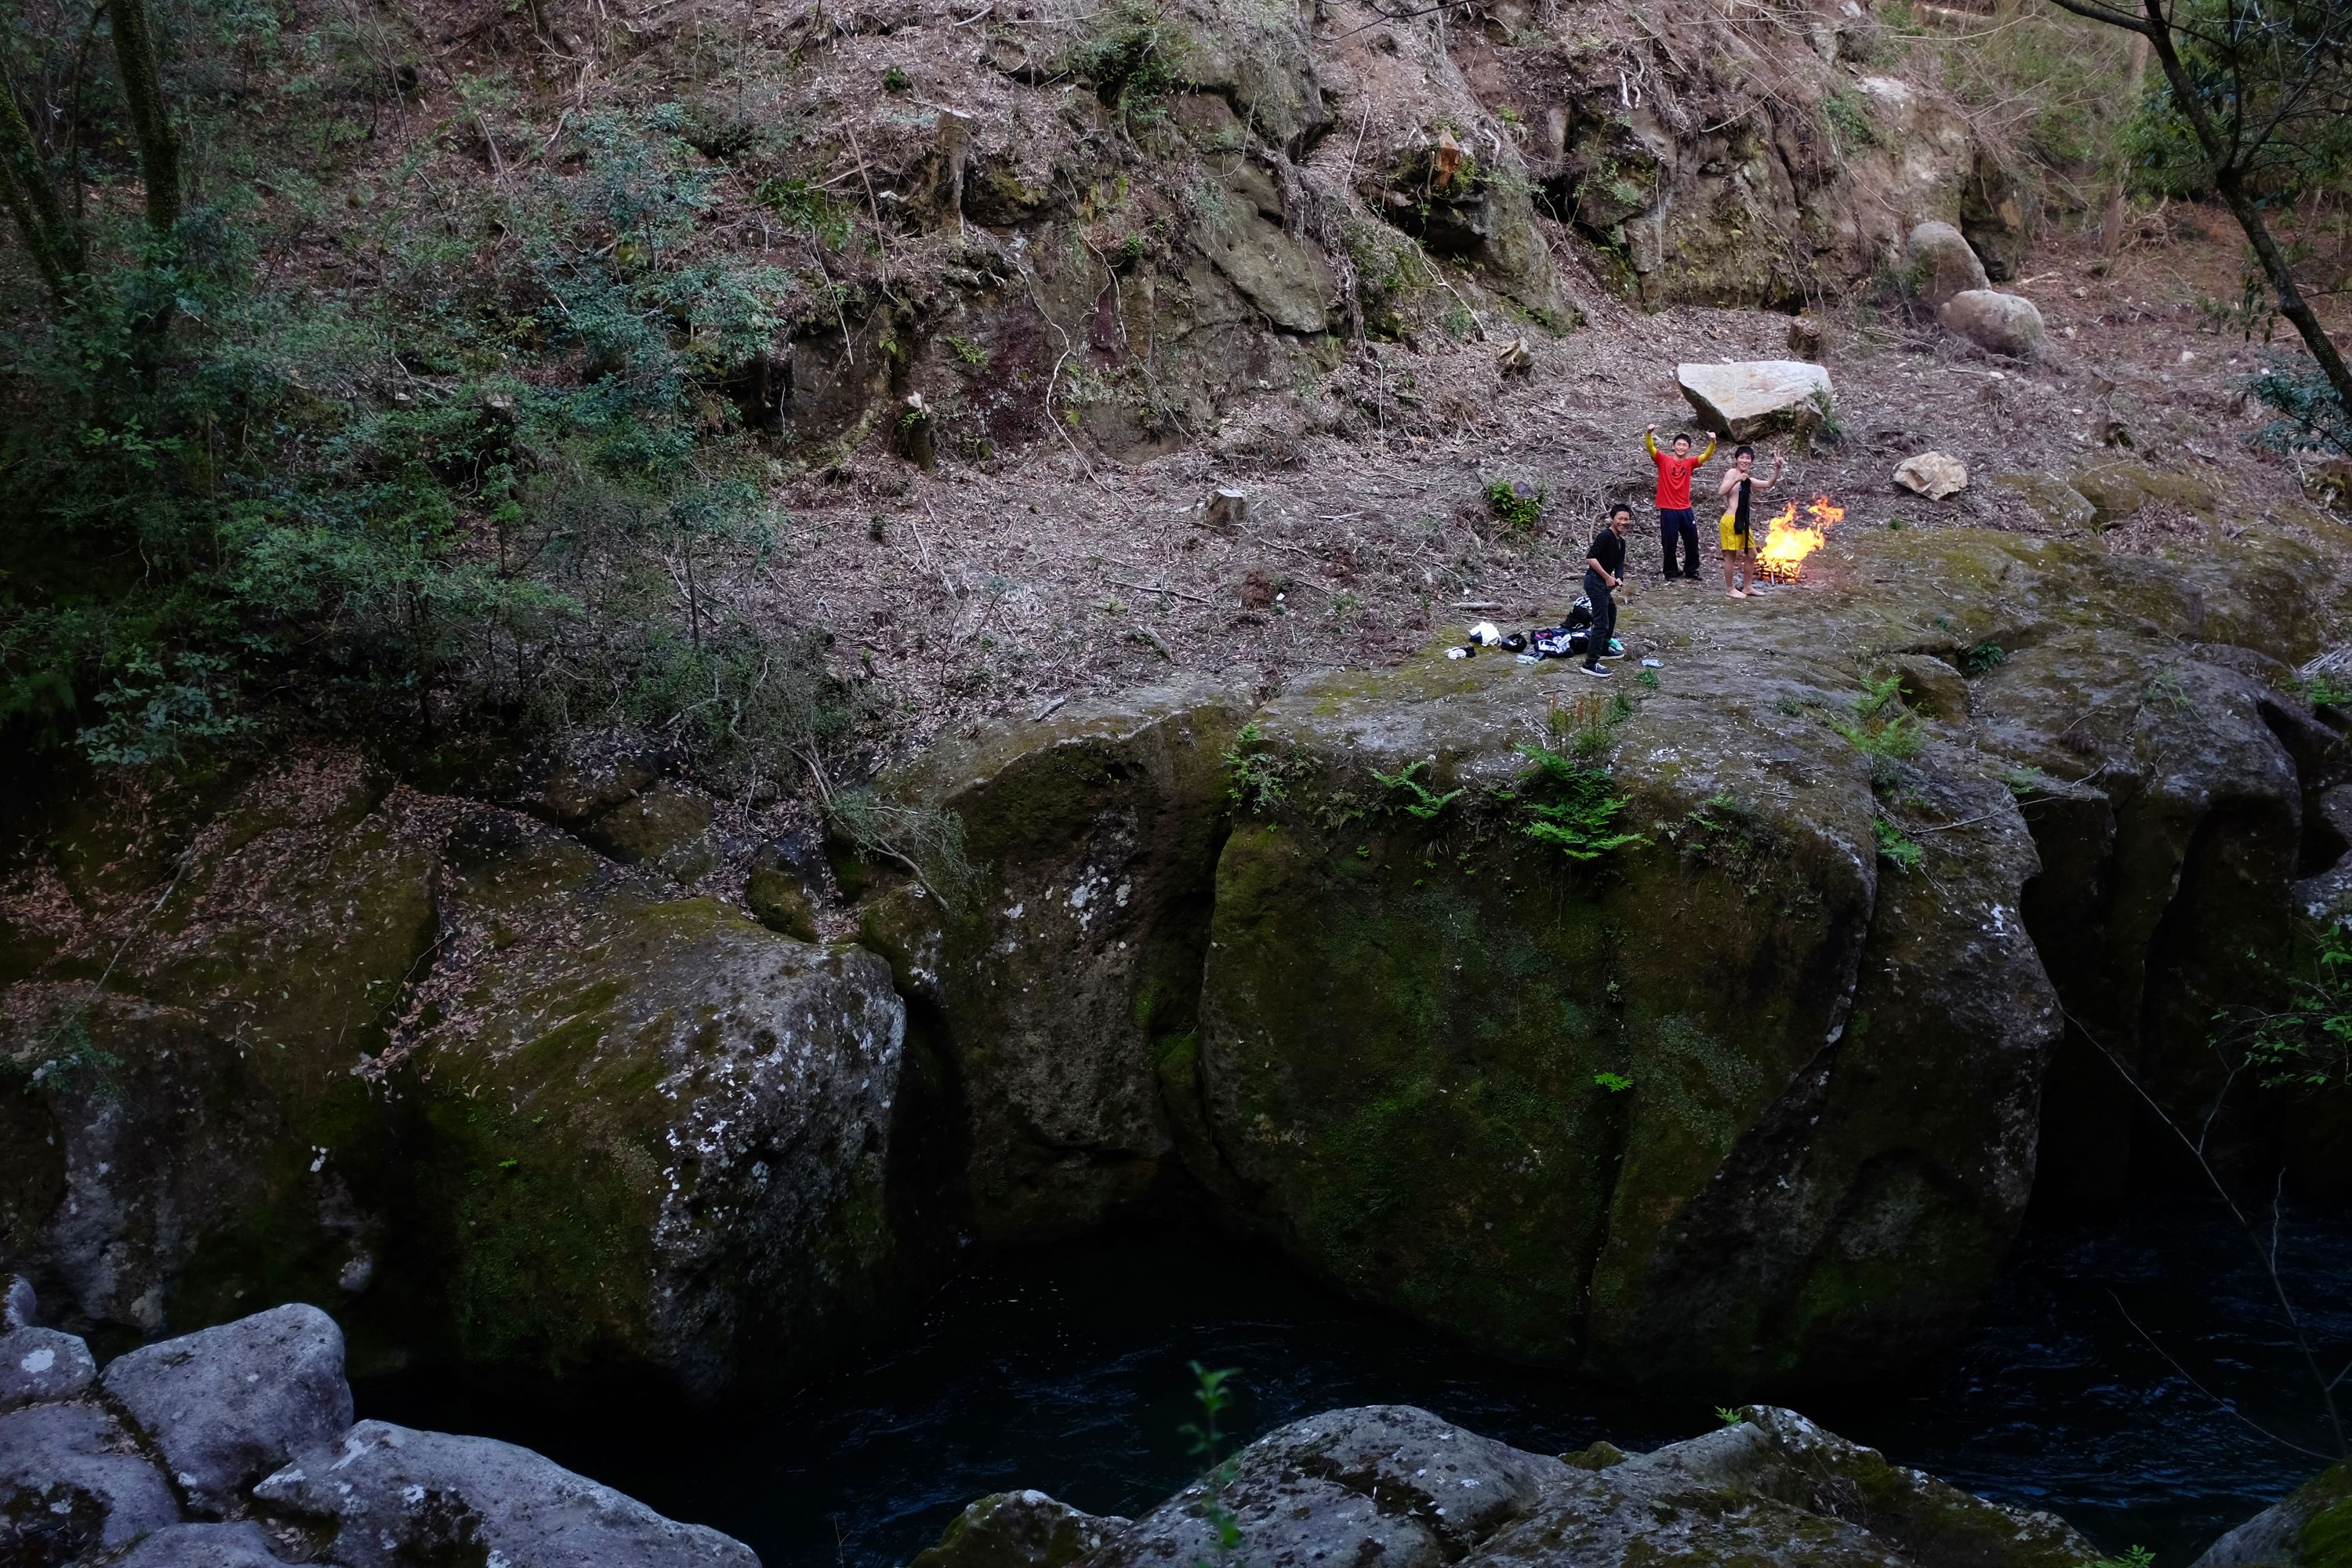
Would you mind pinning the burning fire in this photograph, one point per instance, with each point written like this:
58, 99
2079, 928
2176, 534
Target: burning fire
1787, 541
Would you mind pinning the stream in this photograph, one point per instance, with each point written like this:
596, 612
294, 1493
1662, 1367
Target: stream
1068, 1370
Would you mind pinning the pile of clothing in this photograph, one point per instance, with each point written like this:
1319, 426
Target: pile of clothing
1566, 640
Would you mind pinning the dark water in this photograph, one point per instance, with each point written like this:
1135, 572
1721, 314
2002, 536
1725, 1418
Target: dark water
1067, 1372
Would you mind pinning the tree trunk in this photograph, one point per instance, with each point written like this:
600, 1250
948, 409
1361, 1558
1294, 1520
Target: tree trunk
2229, 180
50, 237
2111, 229
150, 123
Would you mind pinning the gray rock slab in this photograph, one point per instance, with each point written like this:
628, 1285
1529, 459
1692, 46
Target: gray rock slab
72, 1484
239, 1545
227, 1406
17, 1304
398, 1497
41, 1366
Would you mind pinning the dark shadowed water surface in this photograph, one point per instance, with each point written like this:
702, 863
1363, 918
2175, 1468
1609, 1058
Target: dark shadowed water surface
1068, 1371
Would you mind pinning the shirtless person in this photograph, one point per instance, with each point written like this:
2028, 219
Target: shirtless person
1739, 549
1675, 524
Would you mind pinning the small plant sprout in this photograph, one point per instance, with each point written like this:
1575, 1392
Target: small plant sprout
1896, 847
1209, 1390
1614, 1082
1729, 1416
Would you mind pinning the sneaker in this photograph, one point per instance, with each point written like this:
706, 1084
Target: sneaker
1596, 670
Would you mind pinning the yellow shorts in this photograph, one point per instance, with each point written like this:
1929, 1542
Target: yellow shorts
1733, 539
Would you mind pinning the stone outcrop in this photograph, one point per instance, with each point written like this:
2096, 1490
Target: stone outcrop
2008, 324
1743, 401
1397, 1485
223, 1410
73, 1485
41, 1365
394, 1496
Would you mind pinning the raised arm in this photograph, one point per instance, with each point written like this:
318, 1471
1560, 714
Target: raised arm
1650, 442
1768, 484
1703, 457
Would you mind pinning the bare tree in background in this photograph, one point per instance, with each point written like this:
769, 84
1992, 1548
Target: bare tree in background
2265, 86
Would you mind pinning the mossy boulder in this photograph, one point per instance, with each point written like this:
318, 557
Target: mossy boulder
1058, 991
650, 1130
193, 1139
1755, 1099
444, 1070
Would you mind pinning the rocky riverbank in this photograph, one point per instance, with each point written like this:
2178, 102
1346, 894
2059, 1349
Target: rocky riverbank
235, 1448
1403, 1487
1743, 1082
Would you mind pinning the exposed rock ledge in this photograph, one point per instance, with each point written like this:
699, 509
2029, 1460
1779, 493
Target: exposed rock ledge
1392, 1484
235, 1448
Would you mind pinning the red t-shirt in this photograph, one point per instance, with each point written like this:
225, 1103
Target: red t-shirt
1675, 475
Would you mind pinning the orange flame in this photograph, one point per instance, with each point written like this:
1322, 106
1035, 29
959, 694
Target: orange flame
1787, 541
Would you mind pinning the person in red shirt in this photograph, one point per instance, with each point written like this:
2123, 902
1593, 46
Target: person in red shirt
1674, 523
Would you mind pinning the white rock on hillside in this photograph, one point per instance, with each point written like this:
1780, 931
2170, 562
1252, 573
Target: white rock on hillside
1932, 474
1747, 400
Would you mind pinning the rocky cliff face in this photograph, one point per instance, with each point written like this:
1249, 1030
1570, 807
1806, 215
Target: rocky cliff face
1714, 1033
1131, 216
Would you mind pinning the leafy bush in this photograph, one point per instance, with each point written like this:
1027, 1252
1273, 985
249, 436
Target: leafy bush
2310, 414
2308, 1042
508, 485
1519, 506
1257, 778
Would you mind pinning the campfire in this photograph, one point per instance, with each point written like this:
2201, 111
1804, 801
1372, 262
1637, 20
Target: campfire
1787, 541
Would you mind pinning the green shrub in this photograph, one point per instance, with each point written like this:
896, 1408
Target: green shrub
1517, 505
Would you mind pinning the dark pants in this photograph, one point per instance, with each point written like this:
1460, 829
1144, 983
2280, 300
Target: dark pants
1604, 618
1674, 524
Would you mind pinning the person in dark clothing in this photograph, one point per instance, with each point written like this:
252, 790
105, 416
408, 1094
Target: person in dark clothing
1674, 523
1604, 571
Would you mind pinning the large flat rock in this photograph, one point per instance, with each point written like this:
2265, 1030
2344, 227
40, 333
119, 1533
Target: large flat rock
1745, 401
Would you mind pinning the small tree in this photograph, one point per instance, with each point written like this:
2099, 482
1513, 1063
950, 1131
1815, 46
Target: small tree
2265, 89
